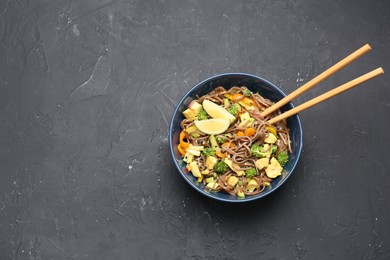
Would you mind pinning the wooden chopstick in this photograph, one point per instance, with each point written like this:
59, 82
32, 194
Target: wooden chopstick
341, 64
328, 95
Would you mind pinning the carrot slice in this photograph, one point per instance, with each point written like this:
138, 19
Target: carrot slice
249, 131
181, 150
233, 96
228, 144
183, 144
240, 133
249, 104
219, 154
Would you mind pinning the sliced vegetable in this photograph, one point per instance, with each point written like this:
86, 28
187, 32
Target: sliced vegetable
240, 133
262, 163
194, 149
270, 139
211, 161
246, 120
212, 185
234, 167
272, 130
209, 179
195, 170
233, 96
205, 172
213, 142
220, 154
181, 150
183, 144
189, 114
193, 131
249, 131
188, 158
241, 194
252, 185
195, 135
228, 145
274, 169
248, 103
232, 181
226, 102
247, 92
195, 107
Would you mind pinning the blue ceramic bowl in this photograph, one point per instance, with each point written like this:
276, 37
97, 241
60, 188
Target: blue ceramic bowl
255, 84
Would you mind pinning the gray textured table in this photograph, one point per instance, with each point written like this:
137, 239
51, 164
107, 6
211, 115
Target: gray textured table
87, 89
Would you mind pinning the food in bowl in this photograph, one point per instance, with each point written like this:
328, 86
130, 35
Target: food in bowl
228, 146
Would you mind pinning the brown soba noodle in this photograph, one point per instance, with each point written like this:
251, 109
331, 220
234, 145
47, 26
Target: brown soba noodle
245, 158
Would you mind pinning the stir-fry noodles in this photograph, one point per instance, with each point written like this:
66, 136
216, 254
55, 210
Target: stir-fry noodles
229, 146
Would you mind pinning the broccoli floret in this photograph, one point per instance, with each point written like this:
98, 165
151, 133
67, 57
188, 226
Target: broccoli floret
282, 158
250, 172
234, 109
202, 115
273, 149
221, 140
246, 92
258, 151
221, 167
208, 152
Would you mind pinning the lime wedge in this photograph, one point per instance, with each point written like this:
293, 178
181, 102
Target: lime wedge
213, 126
216, 111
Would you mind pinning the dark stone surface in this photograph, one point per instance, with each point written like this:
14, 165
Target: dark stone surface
87, 89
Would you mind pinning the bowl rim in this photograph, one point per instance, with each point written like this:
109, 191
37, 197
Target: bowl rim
246, 199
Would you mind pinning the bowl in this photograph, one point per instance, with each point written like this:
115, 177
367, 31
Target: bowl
255, 84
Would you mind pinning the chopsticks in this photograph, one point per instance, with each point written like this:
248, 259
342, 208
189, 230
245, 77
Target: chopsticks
328, 95
341, 64
324, 75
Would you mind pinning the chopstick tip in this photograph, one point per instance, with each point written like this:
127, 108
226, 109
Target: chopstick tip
368, 47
